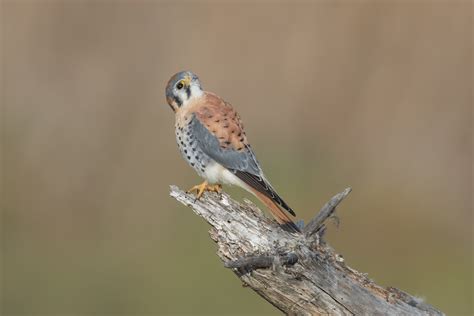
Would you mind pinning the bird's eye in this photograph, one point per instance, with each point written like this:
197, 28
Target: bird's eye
179, 86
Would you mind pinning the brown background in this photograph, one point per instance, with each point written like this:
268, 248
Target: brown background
373, 95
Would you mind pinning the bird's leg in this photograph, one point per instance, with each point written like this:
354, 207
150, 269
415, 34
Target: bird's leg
199, 189
205, 186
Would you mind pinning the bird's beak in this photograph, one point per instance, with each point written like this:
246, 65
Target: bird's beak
170, 102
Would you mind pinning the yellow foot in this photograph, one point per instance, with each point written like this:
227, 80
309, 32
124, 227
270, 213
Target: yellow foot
200, 188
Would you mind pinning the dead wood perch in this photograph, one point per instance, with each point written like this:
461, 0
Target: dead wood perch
297, 273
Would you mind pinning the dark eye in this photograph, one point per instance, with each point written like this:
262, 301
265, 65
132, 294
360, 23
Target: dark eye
179, 86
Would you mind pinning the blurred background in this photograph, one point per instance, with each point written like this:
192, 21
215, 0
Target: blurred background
372, 95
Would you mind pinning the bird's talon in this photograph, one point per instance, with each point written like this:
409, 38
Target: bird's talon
215, 188
201, 188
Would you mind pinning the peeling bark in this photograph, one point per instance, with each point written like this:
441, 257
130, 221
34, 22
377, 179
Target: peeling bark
299, 274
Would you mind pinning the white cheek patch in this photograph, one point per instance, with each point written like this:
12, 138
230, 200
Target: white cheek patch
183, 96
196, 91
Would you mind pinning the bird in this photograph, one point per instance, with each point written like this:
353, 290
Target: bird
211, 138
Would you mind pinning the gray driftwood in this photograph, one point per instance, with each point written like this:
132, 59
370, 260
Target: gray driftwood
297, 273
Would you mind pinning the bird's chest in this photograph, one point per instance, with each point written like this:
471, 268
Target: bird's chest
190, 150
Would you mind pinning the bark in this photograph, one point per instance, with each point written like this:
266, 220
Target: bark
297, 273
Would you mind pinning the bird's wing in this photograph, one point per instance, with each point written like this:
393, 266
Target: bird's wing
220, 133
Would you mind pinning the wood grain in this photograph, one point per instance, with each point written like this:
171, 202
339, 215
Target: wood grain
300, 274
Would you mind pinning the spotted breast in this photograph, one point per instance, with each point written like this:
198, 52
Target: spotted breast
189, 147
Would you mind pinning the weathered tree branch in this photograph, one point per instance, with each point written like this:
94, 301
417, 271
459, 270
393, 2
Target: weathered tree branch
297, 273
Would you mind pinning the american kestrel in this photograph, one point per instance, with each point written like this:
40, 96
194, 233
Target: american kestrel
211, 138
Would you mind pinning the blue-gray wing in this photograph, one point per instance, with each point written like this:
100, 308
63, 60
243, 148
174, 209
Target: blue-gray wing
240, 160
224, 141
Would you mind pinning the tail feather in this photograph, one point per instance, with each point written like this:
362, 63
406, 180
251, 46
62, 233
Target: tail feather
281, 216
259, 183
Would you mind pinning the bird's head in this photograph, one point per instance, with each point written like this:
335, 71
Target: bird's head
181, 88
